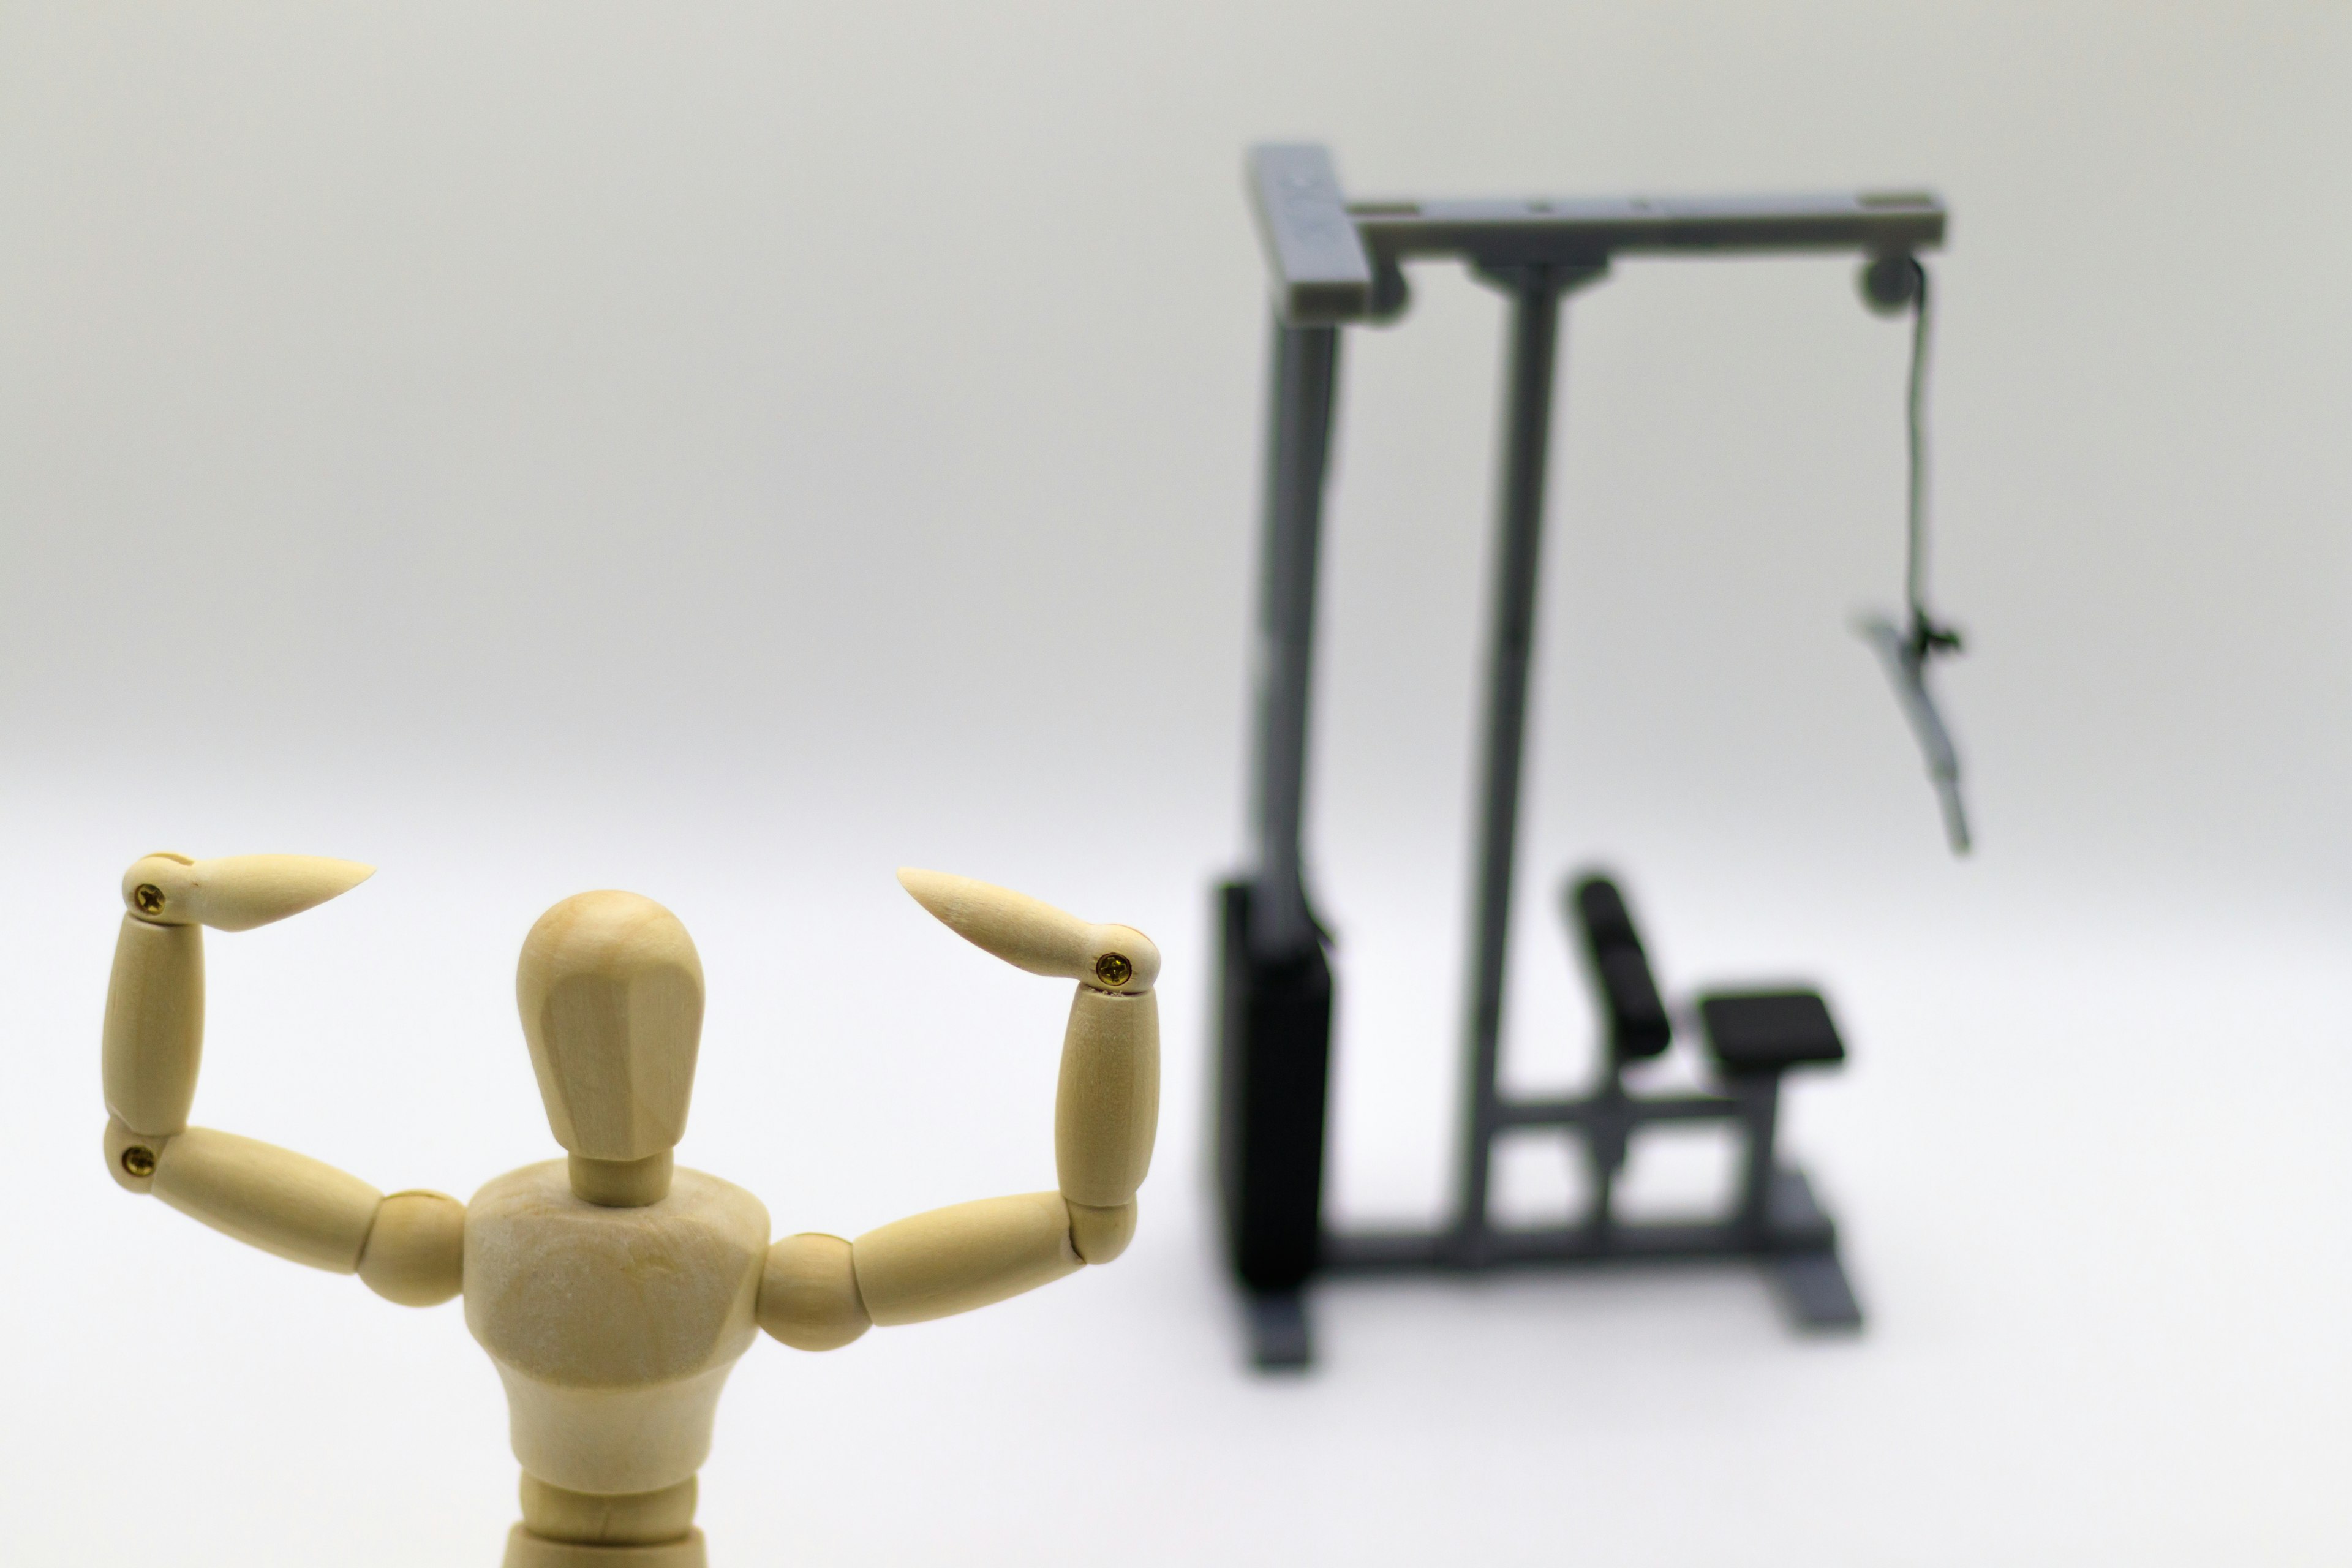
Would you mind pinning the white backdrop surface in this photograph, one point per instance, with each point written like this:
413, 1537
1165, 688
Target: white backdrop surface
729, 451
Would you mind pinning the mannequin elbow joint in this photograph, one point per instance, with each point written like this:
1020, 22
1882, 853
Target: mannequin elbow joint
131, 1157
1100, 1235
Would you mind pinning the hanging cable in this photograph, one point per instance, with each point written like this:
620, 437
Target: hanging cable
1889, 285
1927, 636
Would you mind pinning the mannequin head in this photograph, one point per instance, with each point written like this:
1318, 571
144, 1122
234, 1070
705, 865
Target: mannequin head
611, 993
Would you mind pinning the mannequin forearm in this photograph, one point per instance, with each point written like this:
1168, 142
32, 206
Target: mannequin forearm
1107, 1115
154, 1026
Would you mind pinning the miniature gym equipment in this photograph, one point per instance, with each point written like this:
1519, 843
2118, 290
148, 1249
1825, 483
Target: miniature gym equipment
613, 1292
1335, 263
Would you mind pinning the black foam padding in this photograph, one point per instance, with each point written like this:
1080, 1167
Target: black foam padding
1273, 1070
1638, 1025
1602, 913
1633, 1008
1765, 1031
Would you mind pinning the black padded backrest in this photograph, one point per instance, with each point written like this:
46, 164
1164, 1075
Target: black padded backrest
1631, 1007
1602, 915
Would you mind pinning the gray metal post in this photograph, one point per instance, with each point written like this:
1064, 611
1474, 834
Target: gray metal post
1534, 330
1306, 362
1760, 1103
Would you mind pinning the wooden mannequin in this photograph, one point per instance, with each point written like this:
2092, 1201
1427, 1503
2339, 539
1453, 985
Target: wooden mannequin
613, 1292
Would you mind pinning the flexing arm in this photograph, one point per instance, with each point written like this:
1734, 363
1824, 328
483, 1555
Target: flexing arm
406, 1247
819, 1291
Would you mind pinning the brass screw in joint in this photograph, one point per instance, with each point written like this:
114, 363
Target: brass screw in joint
1114, 968
149, 898
139, 1160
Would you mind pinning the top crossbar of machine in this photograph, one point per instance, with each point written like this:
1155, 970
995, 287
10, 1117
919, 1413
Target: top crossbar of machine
1336, 261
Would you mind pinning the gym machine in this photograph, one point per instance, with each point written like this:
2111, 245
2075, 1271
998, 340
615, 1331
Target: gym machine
1336, 263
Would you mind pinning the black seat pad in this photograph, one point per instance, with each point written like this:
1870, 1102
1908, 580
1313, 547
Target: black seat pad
1765, 1031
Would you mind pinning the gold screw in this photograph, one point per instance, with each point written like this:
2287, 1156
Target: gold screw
139, 1160
149, 898
1114, 968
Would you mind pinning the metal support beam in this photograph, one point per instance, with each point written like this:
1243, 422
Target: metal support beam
1558, 233
1306, 364
1322, 275
1535, 293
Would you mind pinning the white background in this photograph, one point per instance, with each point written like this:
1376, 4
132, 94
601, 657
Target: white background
726, 451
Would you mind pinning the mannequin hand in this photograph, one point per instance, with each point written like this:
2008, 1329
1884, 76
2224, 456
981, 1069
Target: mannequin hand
1036, 936
237, 892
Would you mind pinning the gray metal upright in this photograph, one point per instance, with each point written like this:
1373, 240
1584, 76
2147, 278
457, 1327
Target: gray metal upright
1306, 365
1535, 295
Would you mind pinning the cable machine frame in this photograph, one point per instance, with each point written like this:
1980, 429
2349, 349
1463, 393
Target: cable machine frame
1336, 264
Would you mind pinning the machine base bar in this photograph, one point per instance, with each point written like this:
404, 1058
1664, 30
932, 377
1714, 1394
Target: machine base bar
1798, 1244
